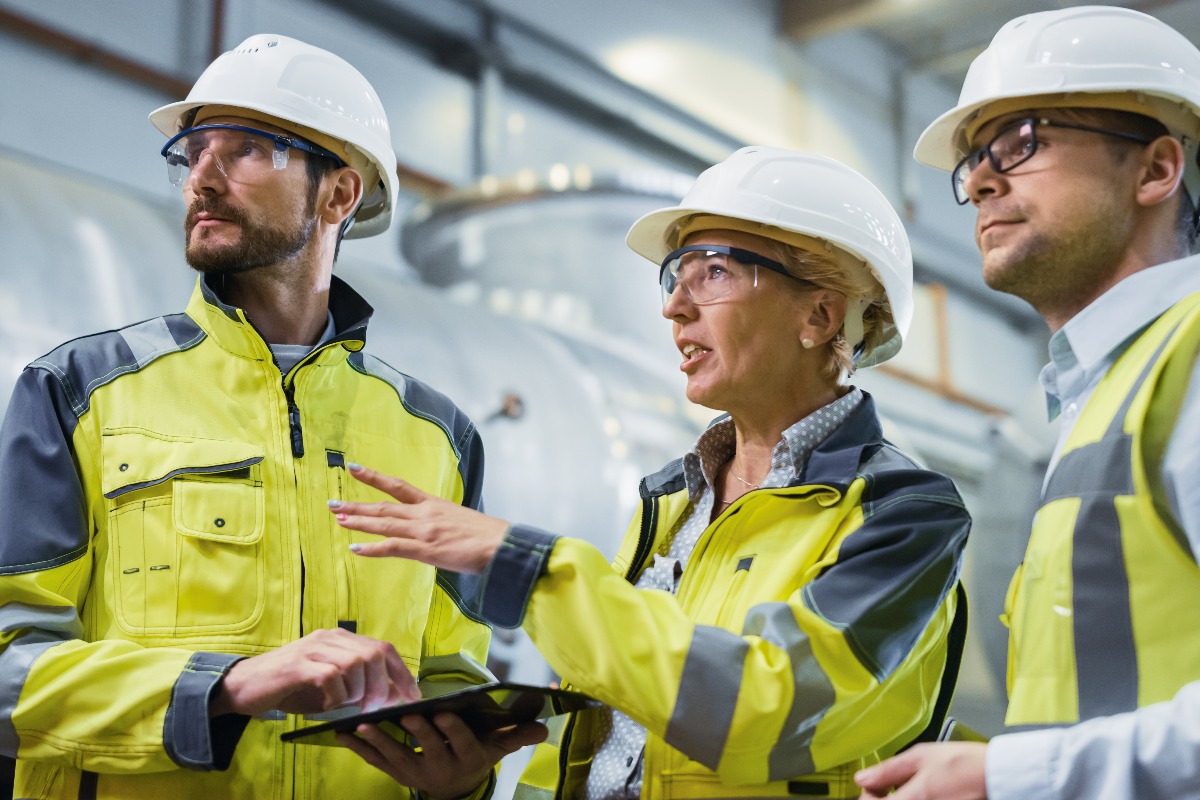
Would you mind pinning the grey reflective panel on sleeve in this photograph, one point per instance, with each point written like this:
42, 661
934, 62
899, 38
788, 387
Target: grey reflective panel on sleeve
48, 626
813, 693
708, 693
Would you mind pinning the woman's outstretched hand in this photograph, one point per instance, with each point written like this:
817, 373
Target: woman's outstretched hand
420, 526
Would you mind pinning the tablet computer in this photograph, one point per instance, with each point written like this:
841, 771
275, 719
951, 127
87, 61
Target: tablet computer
483, 708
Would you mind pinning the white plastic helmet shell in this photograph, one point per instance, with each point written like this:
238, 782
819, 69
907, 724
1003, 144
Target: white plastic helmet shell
293, 82
805, 194
1089, 56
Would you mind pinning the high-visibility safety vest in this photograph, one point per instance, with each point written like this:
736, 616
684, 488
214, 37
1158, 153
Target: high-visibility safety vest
1101, 612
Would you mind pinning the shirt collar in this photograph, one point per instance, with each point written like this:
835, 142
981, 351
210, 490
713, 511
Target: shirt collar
349, 310
1095, 336
717, 444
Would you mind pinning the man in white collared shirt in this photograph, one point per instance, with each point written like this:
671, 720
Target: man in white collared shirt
1072, 138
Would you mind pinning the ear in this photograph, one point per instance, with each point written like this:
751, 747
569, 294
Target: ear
1160, 171
824, 316
340, 195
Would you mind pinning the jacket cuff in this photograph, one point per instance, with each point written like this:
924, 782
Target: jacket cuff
510, 576
191, 738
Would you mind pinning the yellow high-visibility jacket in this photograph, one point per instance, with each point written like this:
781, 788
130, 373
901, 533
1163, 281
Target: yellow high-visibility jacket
1100, 610
807, 638
163, 492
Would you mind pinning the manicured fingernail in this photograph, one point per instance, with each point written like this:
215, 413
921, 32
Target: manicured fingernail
334, 503
350, 465
356, 547
341, 517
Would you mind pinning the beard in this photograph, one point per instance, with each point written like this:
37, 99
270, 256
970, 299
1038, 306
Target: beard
259, 245
1060, 268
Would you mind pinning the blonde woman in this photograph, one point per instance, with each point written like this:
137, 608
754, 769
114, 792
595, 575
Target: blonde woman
777, 617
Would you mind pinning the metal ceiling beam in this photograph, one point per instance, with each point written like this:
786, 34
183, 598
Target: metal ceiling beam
35, 32
809, 19
468, 38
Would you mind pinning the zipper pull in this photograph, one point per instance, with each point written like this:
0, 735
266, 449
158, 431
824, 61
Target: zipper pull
294, 424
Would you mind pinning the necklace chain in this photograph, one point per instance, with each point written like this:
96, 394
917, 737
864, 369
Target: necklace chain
740, 479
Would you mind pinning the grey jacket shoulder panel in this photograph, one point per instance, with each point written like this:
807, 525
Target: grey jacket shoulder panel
421, 400
83, 365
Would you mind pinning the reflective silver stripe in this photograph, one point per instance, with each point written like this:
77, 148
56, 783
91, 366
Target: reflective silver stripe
50, 626
148, 340
812, 696
708, 693
458, 665
1106, 666
63, 620
555, 727
527, 792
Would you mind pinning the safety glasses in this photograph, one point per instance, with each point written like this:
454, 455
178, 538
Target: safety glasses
242, 154
1014, 145
711, 273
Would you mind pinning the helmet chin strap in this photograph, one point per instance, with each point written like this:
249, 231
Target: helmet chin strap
1191, 179
852, 327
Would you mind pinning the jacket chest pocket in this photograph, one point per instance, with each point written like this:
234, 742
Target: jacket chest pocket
186, 520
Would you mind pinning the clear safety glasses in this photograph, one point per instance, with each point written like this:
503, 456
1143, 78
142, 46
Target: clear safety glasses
1013, 146
711, 273
242, 154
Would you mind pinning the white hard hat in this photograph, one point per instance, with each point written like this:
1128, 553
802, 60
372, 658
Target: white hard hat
310, 92
1083, 57
805, 200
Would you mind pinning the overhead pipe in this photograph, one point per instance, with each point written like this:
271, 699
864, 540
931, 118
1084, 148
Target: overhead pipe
413, 180
88, 53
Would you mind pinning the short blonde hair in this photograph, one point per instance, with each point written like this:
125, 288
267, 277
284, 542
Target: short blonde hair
822, 268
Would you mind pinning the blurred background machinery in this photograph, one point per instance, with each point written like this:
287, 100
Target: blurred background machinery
530, 135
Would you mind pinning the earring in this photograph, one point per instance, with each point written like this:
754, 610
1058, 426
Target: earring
807, 344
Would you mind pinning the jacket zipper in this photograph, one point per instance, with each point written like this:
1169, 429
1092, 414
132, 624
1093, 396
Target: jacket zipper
645, 537
563, 756
289, 391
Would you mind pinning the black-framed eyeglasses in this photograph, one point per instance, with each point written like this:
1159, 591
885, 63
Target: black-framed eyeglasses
709, 273
1014, 145
241, 153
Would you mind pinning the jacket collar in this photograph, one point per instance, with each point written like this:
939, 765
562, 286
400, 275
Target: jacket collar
834, 462
229, 326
